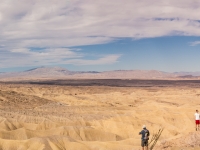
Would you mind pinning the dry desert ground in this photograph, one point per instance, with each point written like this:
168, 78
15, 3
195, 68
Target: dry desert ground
97, 116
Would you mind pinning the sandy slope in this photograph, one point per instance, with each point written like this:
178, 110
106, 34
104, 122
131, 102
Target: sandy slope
42, 117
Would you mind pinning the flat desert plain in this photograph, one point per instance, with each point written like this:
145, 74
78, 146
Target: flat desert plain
98, 114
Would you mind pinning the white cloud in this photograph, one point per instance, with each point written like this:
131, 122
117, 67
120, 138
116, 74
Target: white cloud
65, 23
39, 23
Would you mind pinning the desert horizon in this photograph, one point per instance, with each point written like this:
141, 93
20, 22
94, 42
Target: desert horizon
98, 114
60, 73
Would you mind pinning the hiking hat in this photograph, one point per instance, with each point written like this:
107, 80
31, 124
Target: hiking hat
143, 126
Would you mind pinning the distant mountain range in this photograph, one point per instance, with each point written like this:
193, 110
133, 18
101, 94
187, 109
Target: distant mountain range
62, 73
187, 73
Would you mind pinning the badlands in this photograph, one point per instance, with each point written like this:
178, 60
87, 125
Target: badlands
98, 114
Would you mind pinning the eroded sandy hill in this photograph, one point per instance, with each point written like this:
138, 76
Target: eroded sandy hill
42, 117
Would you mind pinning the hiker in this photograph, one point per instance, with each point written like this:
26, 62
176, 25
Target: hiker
197, 117
145, 137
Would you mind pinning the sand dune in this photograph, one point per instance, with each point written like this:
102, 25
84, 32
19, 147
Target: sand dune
45, 117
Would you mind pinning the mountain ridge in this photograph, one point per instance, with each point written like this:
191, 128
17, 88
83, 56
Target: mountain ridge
63, 73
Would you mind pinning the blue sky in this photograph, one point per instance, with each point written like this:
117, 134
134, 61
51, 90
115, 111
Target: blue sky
86, 35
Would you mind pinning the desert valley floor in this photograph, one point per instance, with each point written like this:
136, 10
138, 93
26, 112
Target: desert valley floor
98, 114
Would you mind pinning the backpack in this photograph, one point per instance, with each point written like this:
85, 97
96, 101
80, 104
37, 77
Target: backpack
146, 135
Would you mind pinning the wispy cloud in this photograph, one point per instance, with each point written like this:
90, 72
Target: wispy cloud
66, 23
109, 59
195, 43
27, 57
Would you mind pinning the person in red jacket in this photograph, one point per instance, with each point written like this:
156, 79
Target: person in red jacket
197, 117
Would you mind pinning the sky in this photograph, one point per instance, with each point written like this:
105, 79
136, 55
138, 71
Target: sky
101, 35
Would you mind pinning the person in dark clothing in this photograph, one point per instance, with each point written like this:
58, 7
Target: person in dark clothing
145, 137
